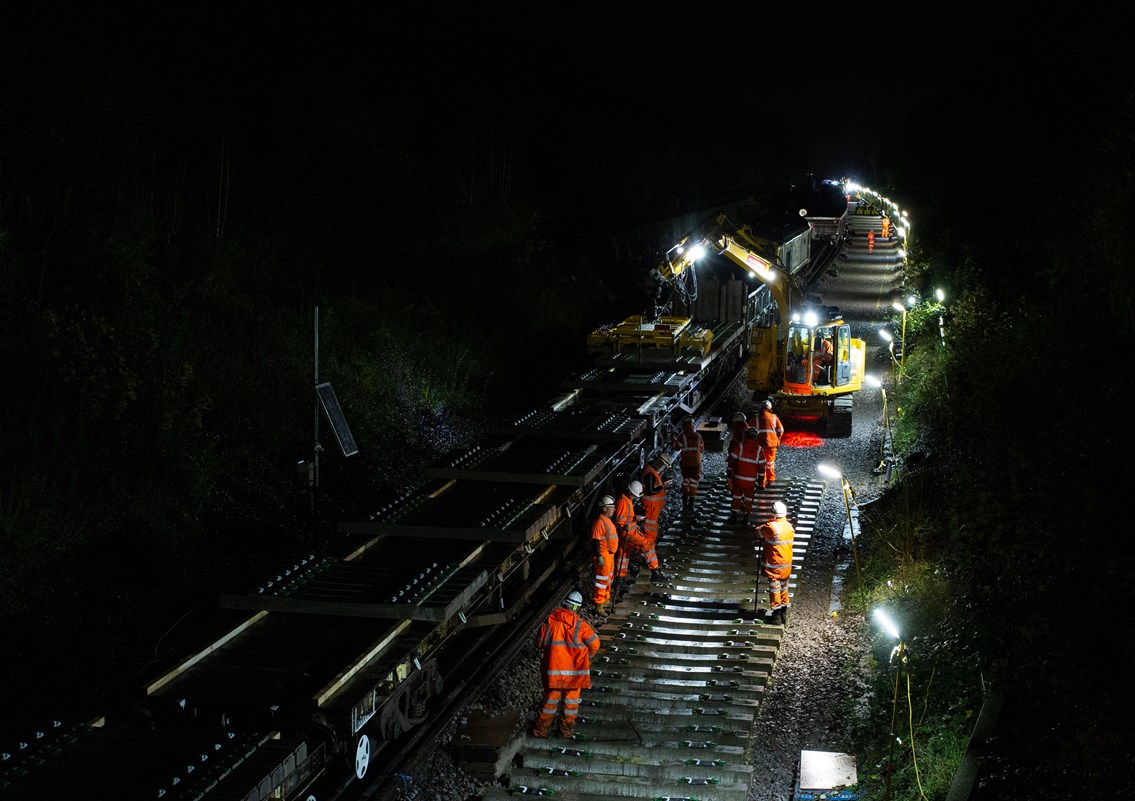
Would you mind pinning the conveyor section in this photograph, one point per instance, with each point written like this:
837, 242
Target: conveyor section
105, 762
713, 341
564, 462
468, 510
593, 424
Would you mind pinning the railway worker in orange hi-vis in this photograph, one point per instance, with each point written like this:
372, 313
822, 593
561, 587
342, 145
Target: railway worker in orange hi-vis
604, 546
750, 467
632, 541
692, 447
886, 227
737, 431
870, 241
654, 495
775, 540
566, 642
770, 432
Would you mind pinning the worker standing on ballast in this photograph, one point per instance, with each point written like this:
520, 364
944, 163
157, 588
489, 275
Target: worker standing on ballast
604, 546
775, 541
770, 433
737, 431
750, 467
566, 642
692, 447
654, 495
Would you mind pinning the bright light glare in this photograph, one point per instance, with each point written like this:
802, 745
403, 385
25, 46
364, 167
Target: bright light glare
680, 249
900, 231
870, 379
898, 307
938, 293
902, 253
887, 624
697, 252
810, 319
912, 301
829, 471
885, 334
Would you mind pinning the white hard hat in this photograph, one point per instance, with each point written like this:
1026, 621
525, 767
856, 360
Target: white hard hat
635, 488
780, 509
739, 417
573, 601
767, 404
606, 500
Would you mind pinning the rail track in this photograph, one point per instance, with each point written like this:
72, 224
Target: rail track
320, 680
677, 685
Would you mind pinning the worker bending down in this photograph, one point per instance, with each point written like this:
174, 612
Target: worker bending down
604, 546
632, 541
567, 642
775, 540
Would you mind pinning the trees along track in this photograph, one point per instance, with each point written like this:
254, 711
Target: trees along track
678, 682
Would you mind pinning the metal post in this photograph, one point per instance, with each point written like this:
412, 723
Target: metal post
900, 653
318, 447
854, 548
902, 357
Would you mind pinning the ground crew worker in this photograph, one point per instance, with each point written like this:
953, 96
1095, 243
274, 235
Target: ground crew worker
870, 241
654, 495
692, 446
604, 546
886, 227
775, 539
631, 539
770, 432
749, 468
567, 643
737, 431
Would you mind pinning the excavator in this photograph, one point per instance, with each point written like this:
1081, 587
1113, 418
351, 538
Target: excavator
807, 365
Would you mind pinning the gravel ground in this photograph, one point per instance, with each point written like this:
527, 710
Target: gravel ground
807, 700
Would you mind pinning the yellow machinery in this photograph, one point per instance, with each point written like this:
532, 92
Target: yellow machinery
674, 336
810, 367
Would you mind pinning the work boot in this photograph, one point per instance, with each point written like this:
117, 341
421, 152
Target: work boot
567, 732
658, 574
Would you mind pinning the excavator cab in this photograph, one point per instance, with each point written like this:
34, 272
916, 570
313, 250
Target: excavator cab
818, 359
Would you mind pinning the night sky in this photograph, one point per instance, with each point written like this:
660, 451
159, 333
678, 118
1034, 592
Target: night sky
589, 112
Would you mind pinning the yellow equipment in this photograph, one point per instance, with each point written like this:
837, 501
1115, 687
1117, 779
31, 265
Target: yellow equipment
809, 367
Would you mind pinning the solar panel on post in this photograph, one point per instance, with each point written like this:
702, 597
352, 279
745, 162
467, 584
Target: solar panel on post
334, 413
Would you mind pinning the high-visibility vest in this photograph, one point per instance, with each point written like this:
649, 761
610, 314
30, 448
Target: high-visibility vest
776, 536
692, 447
604, 531
625, 515
568, 642
653, 488
750, 462
769, 429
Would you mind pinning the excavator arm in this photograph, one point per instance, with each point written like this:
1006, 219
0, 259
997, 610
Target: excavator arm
718, 234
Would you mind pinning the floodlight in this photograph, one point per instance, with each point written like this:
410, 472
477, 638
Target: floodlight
887, 624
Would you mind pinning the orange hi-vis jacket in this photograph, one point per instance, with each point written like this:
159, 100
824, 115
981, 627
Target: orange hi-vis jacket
603, 529
776, 537
568, 642
625, 517
735, 442
692, 446
750, 463
769, 429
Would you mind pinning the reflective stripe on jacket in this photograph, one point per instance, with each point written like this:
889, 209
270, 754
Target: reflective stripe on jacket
769, 429
568, 642
604, 531
653, 488
625, 515
750, 463
776, 537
